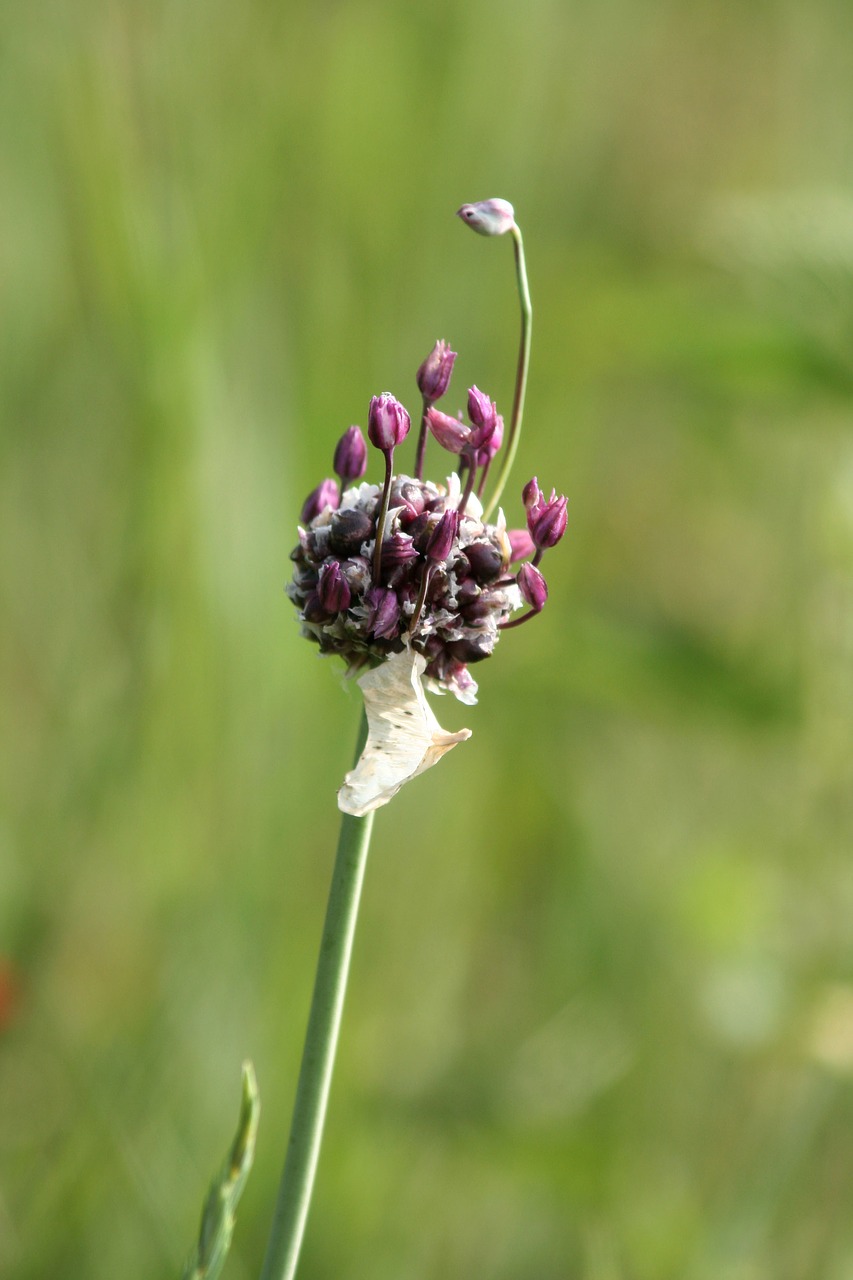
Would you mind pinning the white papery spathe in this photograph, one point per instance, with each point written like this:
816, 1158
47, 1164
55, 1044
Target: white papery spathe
403, 736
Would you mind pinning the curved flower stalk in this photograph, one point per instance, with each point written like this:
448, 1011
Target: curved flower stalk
411, 582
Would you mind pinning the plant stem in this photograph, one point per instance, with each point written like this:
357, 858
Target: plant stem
318, 1056
383, 512
422, 439
521, 370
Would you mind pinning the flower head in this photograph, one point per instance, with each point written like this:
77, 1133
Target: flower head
407, 578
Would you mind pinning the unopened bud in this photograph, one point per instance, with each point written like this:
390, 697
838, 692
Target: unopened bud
351, 455
443, 536
383, 619
480, 407
547, 521
388, 422
332, 588
488, 217
488, 450
325, 495
434, 374
483, 415
531, 493
532, 586
450, 433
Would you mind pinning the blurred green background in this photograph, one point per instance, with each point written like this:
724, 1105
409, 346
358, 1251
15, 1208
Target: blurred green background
600, 1023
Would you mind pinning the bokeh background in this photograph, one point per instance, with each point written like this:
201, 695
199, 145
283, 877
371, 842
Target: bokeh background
600, 1022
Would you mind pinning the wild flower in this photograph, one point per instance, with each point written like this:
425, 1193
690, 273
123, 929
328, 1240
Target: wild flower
408, 580
417, 567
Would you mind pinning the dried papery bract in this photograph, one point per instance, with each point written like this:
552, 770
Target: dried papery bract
404, 737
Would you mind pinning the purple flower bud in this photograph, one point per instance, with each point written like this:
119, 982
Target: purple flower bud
547, 521
531, 493
325, 495
532, 586
332, 588
443, 536
450, 433
488, 217
483, 415
388, 422
351, 455
383, 620
480, 407
521, 543
488, 450
434, 373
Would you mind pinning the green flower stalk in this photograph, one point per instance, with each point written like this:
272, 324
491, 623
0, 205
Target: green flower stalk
321, 1041
411, 583
496, 218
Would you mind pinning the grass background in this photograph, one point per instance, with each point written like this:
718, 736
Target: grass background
600, 1025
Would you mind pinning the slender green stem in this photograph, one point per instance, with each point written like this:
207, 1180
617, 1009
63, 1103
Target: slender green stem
521, 372
318, 1056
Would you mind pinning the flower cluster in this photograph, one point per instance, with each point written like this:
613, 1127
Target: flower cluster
411, 563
